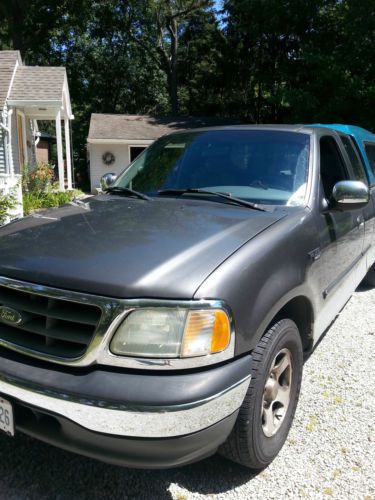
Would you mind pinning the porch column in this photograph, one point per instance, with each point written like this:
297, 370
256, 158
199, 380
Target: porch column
68, 153
10, 151
60, 159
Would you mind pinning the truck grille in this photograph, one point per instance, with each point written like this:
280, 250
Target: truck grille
55, 327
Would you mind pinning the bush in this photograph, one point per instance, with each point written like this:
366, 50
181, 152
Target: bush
8, 202
40, 191
37, 200
37, 178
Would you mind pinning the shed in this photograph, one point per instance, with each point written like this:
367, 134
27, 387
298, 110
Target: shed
114, 141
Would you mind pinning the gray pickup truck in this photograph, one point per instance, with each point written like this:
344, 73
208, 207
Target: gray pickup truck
169, 317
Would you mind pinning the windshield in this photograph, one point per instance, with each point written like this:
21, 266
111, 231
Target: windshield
260, 166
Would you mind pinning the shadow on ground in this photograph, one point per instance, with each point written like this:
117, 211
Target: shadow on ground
31, 469
364, 288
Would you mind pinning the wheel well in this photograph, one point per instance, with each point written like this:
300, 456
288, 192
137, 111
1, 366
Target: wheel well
301, 312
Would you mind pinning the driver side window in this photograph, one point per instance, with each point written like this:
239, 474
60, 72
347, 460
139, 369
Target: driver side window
332, 168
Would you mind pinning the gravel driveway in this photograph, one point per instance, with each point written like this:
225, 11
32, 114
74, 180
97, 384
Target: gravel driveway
330, 451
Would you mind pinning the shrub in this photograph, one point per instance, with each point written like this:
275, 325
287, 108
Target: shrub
8, 202
37, 178
40, 191
36, 200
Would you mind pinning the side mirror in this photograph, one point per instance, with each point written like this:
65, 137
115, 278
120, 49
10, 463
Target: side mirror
349, 195
107, 180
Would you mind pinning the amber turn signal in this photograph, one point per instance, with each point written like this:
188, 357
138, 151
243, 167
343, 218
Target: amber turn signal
206, 332
221, 332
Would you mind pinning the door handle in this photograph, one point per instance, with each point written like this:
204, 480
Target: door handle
360, 221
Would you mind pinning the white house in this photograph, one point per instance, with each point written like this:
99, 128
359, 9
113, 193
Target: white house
29, 94
114, 141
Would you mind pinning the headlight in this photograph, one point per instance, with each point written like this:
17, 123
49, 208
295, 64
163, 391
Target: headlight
172, 333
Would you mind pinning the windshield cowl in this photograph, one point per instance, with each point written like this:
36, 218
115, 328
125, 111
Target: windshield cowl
226, 196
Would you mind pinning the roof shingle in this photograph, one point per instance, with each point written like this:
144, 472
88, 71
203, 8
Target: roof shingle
144, 127
8, 59
36, 83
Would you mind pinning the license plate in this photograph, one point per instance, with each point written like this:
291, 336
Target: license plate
6, 417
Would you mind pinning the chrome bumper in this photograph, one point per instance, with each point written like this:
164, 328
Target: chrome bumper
126, 419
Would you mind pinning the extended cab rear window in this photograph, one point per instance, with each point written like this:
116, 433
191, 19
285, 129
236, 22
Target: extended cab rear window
356, 162
370, 152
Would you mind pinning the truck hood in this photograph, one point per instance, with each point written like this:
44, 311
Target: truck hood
124, 247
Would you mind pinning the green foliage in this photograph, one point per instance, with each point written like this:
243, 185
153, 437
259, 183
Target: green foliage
39, 190
301, 60
8, 202
37, 178
36, 200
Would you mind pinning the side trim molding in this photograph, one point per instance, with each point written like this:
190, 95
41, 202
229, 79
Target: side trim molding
342, 275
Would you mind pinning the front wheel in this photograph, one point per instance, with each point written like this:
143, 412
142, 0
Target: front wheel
267, 412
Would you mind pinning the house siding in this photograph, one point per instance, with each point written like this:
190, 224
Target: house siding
121, 153
98, 168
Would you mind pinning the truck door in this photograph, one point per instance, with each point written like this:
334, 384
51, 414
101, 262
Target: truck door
370, 153
370, 227
341, 234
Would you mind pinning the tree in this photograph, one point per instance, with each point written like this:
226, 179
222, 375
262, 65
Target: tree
158, 31
108, 71
300, 60
200, 61
27, 24
264, 40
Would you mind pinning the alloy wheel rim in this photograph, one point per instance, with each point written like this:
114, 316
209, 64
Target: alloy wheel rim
277, 392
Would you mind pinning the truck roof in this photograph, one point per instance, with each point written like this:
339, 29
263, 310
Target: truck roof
359, 133
302, 128
361, 136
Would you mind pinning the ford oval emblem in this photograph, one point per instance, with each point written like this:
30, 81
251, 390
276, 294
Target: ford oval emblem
10, 316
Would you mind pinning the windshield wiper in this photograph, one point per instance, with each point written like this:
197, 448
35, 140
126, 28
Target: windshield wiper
225, 196
127, 191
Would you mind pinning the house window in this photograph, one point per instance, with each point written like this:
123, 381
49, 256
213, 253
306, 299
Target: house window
135, 151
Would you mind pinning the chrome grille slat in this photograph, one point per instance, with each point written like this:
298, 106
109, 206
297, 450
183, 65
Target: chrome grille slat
57, 327
37, 344
51, 308
58, 331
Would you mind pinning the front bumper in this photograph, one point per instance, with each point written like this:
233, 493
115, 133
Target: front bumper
134, 419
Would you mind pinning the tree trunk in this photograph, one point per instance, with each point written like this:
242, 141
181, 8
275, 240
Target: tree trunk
172, 90
172, 76
15, 24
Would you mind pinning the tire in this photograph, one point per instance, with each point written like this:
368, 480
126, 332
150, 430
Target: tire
263, 422
369, 279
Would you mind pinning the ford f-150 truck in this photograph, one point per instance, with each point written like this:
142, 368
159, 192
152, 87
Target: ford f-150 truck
168, 317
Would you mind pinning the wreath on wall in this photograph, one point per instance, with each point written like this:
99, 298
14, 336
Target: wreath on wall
108, 158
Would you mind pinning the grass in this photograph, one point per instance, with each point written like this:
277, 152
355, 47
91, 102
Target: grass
313, 420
